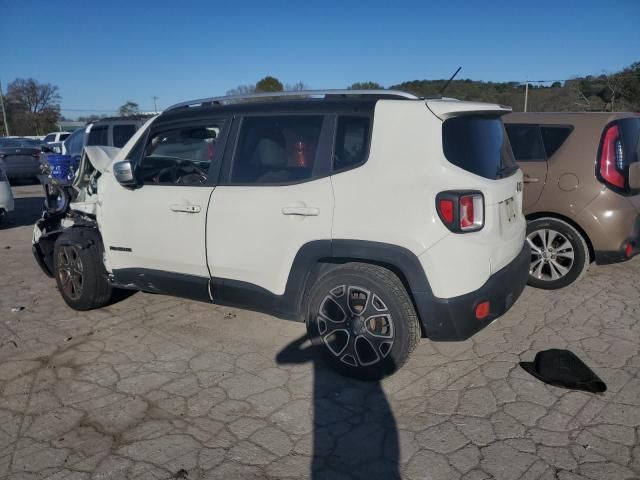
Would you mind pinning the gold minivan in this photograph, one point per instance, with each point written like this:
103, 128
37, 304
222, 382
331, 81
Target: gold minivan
581, 190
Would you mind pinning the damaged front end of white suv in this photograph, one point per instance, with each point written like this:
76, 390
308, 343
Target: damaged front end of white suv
71, 198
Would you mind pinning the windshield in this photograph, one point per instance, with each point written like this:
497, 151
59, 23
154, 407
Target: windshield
478, 144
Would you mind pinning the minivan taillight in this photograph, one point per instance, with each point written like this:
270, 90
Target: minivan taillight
461, 211
611, 162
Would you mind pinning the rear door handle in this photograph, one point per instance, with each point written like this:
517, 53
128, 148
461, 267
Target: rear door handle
302, 211
529, 179
186, 208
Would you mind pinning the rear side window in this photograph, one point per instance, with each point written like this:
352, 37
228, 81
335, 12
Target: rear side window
526, 142
276, 149
553, 138
50, 138
478, 144
122, 134
352, 142
98, 135
74, 143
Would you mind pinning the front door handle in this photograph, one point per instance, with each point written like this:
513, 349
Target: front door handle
186, 208
302, 211
530, 179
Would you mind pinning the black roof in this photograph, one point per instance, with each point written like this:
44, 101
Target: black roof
319, 105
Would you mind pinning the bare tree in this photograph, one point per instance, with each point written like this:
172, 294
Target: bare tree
580, 99
242, 90
613, 84
296, 87
34, 107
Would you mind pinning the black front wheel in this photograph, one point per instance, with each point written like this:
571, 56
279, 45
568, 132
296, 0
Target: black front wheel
364, 319
80, 275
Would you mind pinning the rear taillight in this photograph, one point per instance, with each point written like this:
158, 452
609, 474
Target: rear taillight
36, 155
2, 155
611, 162
461, 211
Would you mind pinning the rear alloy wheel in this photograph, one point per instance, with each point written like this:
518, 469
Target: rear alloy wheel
363, 318
559, 253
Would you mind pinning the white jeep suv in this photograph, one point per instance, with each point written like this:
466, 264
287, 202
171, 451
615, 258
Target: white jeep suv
376, 217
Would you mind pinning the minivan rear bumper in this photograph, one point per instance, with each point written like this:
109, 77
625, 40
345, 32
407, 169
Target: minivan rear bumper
454, 319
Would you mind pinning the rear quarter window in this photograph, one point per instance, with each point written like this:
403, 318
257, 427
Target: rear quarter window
99, 135
526, 142
553, 137
122, 134
478, 144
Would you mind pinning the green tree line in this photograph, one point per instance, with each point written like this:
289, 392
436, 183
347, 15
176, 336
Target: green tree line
33, 108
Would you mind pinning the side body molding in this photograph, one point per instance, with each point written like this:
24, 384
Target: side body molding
312, 260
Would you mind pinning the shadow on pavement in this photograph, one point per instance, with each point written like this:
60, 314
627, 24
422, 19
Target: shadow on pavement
354, 431
27, 211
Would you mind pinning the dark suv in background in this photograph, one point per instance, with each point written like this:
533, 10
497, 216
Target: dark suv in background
581, 190
111, 132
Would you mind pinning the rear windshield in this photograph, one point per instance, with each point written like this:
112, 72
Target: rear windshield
630, 129
478, 144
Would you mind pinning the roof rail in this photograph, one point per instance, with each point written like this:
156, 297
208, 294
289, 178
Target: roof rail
299, 93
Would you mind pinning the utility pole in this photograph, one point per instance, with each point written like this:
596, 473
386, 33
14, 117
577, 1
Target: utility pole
155, 106
526, 94
4, 112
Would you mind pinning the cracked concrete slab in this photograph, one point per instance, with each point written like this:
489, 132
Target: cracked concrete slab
155, 387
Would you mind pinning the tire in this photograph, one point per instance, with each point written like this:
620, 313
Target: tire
80, 275
340, 303
559, 253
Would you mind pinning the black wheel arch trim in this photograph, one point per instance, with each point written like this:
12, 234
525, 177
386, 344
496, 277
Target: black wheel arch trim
440, 318
82, 235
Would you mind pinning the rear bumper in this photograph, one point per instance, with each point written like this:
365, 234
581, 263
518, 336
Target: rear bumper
454, 318
605, 257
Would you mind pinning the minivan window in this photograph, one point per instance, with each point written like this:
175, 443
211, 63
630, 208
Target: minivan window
352, 142
99, 135
276, 149
122, 134
526, 142
478, 144
553, 137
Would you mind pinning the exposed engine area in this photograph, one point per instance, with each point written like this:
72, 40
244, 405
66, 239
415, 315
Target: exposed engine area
71, 196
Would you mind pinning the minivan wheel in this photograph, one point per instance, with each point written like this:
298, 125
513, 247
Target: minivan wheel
80, 275
559, 253
363, 319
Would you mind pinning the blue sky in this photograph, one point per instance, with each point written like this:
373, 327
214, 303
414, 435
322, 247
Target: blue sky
103, 53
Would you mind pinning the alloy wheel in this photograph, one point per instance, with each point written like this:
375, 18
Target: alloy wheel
552, 254
355, 325
70, 271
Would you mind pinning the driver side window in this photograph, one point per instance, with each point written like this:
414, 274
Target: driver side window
180, 156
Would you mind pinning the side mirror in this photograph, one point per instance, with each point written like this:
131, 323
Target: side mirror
123, 173
634, 175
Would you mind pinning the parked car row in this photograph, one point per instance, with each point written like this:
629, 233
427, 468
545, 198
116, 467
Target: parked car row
375, 217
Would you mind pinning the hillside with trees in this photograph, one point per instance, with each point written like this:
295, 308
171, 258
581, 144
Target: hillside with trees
619, 91
33, 108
